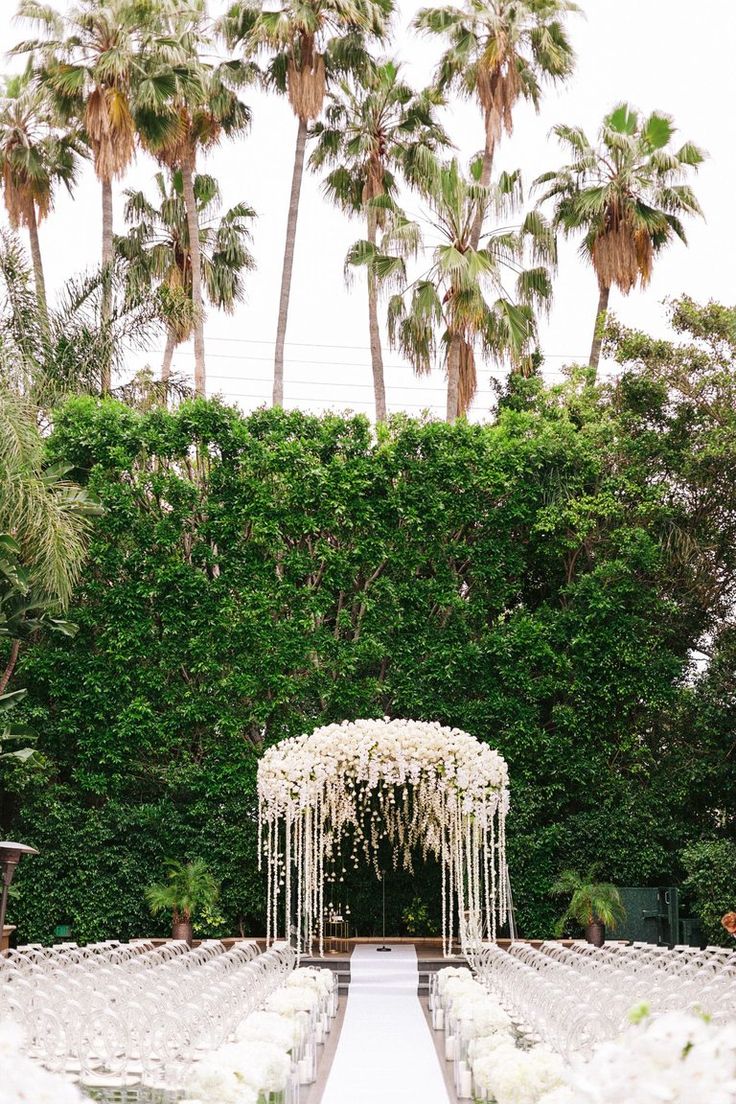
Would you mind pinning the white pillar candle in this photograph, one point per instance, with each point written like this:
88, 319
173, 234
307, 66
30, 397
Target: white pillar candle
438, 1017
466, 1081
450, 1048
305, 1072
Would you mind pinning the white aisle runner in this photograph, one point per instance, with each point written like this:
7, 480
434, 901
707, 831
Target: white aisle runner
385, 1053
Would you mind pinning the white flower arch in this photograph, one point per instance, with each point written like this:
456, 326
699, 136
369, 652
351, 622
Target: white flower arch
413, 783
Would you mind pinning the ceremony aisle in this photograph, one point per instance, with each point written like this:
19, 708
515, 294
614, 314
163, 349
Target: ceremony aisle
385, 1053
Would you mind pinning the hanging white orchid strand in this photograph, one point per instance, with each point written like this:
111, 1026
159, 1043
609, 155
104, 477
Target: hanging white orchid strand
410, 783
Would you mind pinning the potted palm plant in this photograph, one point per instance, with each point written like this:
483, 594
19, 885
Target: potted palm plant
594, 905
190, 888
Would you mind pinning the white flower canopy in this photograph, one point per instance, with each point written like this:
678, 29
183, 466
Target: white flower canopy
410, 783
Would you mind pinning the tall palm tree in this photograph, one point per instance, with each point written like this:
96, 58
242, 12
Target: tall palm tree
35, 156
158, 257
201, 105
461, 304
306, 40
625, 195
86, 59
499, 51
376, 128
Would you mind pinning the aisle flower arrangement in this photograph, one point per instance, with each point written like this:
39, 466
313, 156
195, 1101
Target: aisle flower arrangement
493, 1059
23, 1081
271, 1052
677, 1057
672, 1058
411, 783
273, 1047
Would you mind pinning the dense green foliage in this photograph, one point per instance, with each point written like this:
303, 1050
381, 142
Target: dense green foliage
710, 866
540, 581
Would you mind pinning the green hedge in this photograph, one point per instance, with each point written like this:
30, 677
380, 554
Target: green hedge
253, 577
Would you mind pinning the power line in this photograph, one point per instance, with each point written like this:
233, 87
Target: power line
332, 345
320, 363
333, 403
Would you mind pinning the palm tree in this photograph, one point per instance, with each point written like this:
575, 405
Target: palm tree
156, 250
35, 156
461, 305
201, 105
47, 516
626, 196
48, 355
308, 40
189, 889
86, 59
499, 51
376, 128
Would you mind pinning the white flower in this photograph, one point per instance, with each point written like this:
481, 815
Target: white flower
675, 1058
269, 1027
22, 1081
481, 1016
514, 1076
238, 1073
292, 998
484, 1045
214, 1084
322, 981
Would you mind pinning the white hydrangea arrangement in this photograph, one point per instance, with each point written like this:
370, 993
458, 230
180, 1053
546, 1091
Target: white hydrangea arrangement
239, 1073
672, 1058
676, 1057
22, 1081
409, 782
509, 1075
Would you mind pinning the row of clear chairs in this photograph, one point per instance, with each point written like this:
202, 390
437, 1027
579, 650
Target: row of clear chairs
575, 996
126, 1013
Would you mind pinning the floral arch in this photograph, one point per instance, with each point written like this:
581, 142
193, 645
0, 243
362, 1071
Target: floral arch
412, 783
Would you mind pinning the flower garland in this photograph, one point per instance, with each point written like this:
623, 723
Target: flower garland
403, 783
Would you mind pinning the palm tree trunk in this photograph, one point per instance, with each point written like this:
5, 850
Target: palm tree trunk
379, 386
187, 176
291, 222
600, 325
38, 276
453, 379
105, 367
168, 356
10, 665
485, 180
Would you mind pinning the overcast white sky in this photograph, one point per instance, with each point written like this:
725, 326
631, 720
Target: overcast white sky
673, 56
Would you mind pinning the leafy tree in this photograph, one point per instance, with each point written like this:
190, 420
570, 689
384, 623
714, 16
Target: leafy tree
499, 51
460, 304
35, 157
541, 581
156, 250
306, 41
376, 129
626, 196
710, 868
